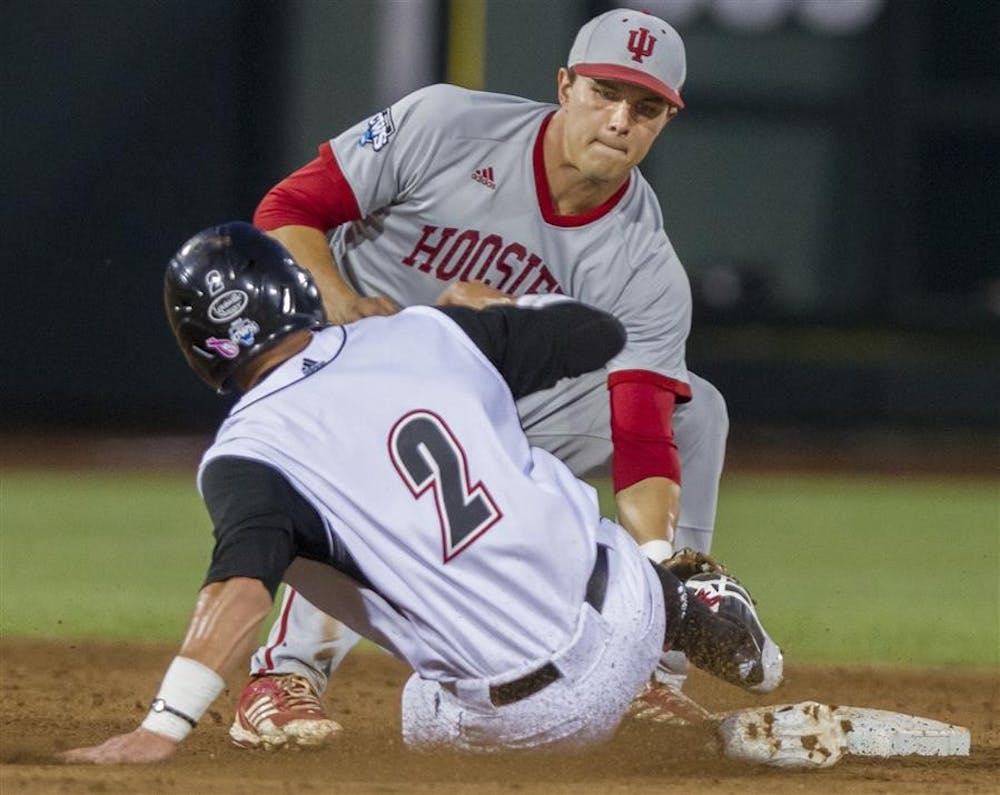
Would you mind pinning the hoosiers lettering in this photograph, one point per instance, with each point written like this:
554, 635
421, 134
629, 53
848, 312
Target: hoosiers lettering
451, 255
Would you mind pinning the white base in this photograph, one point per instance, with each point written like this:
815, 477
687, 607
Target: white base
810, 734
786, 735
878, 732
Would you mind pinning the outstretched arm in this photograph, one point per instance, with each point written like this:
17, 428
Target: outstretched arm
297, 212
538, 339
646, 467
648, 509
342, 304
222, 632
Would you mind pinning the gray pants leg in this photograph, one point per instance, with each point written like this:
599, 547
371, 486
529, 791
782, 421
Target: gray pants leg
572, 421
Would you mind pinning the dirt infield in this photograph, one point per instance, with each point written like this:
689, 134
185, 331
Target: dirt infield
58, 695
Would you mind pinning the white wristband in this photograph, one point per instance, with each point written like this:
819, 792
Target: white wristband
657, 550
187, 690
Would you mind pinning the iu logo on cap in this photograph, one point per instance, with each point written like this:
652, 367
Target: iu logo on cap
640, 44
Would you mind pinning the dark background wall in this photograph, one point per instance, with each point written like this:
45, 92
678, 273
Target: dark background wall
127, 126
834, 195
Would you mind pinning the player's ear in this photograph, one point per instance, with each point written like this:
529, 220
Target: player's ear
564, 84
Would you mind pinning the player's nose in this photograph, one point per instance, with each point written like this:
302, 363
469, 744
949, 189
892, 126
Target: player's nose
621, 116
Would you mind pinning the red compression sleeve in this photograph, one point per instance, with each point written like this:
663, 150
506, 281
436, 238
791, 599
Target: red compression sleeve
317, 195
642, 407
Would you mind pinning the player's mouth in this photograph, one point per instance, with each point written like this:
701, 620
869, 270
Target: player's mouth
615, 149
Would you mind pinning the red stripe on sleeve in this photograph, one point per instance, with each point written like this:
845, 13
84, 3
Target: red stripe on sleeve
317, 195
642, 407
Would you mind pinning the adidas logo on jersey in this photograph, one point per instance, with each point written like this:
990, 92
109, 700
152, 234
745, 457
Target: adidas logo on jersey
310, 366
484, 176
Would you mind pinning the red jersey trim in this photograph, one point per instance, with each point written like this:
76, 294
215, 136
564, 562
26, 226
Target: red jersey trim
679, 388
318, 195
544, 195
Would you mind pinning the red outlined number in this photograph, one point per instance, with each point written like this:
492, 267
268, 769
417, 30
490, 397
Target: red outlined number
429, 457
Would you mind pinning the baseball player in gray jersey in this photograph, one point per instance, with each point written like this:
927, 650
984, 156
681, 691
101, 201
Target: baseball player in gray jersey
380, 468
459, 197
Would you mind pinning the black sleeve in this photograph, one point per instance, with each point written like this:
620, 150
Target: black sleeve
261, 522
535, 347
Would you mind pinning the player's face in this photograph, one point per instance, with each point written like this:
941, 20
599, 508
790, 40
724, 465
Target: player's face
609, 125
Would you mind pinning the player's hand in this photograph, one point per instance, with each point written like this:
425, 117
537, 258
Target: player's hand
358, 306
138, 747
476, 295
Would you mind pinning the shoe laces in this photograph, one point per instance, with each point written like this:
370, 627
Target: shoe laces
297, 693
274, 694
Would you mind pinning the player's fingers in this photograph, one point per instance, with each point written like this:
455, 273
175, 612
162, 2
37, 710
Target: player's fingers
75, 755
449, 296
138, 747
476, 295
106, 753
378, 305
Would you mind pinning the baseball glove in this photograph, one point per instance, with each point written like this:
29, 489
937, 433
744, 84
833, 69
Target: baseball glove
687, 562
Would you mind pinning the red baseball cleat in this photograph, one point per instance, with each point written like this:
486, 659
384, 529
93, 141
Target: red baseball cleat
280, 710
663, 703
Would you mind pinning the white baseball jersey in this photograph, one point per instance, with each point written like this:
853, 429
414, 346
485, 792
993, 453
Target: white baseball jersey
404, 438
467, 198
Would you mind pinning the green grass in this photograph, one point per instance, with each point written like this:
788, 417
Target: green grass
844, 569
92, 555
869, 569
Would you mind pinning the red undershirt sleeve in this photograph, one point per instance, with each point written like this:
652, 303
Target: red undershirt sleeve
317, 195
642, 407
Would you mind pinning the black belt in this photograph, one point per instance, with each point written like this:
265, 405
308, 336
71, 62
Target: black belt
539, 679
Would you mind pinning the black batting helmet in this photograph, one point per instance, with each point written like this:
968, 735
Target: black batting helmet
232, 292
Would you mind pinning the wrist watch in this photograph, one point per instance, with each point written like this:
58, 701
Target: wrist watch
159, 705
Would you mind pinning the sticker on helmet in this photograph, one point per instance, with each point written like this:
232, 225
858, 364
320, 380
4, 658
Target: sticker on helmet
380, 128
227, 306
214, 283
243, 331
227, 349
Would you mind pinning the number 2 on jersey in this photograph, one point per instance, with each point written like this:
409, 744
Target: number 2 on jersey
428, 456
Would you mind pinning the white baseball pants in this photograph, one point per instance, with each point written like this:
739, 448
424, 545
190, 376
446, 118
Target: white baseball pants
610, 657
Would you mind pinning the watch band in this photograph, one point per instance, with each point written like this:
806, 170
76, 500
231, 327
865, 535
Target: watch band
159, 705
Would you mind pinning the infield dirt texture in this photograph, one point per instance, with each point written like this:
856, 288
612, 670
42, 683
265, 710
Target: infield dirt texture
57, 695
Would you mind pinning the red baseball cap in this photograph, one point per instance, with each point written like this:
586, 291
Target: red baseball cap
632, 47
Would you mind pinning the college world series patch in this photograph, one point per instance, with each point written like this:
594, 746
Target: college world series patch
380, 129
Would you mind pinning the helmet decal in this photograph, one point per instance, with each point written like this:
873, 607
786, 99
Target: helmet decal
242, 331
227, 306
225, 348
214, 283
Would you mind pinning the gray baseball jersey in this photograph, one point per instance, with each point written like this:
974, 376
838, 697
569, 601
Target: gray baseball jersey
469, 200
